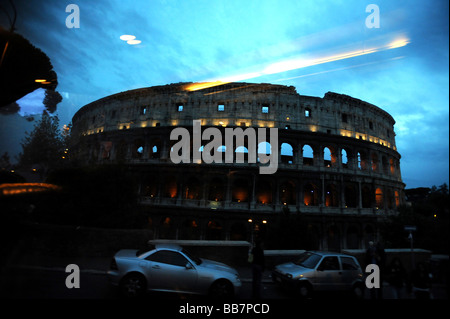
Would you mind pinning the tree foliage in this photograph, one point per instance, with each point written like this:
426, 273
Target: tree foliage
22, 64
44, 146
430, 214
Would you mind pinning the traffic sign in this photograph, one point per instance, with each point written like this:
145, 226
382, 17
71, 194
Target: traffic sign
410, 228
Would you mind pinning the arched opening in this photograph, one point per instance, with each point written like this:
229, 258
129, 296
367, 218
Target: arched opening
308, 155
264, 191
312, 238
352, 238
331, 196
385, 165
216, 190
264, 148
334, 239
351, 196
287, 193
190, 230
138, 149
374, 162
238, 231
121, 152
170, 187
379, 200
192, 189
344, 158
150, 187
397, 198
155, 149
287, 153
214, 230
167, 228
240, 190
241, 154
366, 196
392, 165
311, 195
327, 157
369, 233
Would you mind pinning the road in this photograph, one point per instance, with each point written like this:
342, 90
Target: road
42, 283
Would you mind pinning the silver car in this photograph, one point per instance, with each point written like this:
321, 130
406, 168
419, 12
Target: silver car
170, 268
321, 271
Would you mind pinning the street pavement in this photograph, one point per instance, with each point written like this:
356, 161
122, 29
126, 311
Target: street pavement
44, 277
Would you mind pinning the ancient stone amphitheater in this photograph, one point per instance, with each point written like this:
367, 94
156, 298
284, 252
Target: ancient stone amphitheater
338, 165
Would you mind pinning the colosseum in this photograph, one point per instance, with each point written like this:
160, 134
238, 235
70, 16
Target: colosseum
338, 167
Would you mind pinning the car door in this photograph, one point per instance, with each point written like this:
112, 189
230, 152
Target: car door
351, 271
328, 274
167, 271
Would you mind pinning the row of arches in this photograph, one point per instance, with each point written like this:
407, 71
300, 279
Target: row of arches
265, 191
333, 237
301, 155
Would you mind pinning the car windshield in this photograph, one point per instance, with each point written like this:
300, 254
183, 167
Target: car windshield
308, 260
144, 249
192, 257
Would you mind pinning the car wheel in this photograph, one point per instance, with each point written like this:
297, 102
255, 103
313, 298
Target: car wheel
133, 286
358, 291
221, 289
304, 290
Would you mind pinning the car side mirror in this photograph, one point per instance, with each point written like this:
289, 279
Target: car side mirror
188, 266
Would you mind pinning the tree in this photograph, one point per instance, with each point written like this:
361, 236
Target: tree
23, 68
44, 147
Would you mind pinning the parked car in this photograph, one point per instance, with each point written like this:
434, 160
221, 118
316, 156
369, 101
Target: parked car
321, 271
170, 268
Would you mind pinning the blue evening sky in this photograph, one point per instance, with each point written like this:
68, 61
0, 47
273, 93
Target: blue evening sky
316, 46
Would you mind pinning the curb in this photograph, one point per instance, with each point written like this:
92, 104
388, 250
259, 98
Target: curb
103, 272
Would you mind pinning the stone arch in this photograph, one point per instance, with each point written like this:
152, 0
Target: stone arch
311, 194
240, 190
238, 231
192, 189
308, 155
216, 190
351, 195
189, 230
333, 238
287, 193
331, 195
264, 192
170, 187
287, 153
214, 230
379, 198
352, 238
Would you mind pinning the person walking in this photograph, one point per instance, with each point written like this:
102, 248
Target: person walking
421, 282
258, 266
397, 278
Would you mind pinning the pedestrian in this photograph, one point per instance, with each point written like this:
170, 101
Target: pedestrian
397, 278
421, 282
375, 255
258, 266
381, 262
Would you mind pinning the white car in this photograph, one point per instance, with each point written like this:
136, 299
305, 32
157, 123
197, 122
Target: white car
170, 268
321, 271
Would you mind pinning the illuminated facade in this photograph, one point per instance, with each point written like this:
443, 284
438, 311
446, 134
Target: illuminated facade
338, 166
